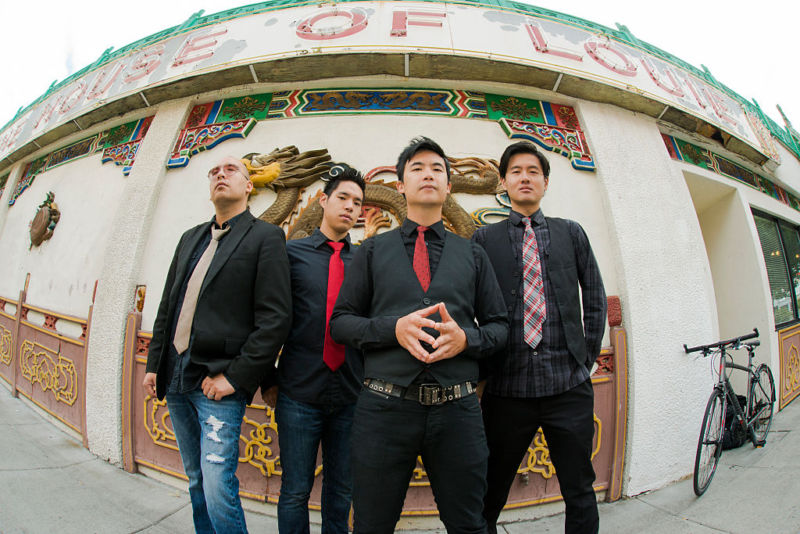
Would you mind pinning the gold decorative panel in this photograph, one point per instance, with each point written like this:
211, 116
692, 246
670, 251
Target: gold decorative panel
50, 370
6, 354
260, 440
156, 422
538, 458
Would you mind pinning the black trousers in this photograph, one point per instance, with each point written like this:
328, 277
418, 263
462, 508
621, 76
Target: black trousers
568, 426
388, 435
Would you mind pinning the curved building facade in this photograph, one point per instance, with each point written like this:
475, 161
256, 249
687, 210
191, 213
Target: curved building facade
688, 192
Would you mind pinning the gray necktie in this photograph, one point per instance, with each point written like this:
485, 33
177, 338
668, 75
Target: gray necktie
184, 327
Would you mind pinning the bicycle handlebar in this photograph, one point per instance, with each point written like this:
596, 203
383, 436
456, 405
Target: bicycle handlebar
732, 341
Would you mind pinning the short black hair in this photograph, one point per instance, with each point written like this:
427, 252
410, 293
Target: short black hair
523, 147
419, 144
341, 172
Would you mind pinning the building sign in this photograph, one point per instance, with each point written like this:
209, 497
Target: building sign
388, 27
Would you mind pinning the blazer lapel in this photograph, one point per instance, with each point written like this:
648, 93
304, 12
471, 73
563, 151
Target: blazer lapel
226, 247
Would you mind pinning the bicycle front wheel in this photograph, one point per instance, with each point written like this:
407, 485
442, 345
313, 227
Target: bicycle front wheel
709, 446
762, 395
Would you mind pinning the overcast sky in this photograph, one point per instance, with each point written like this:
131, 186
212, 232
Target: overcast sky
745, 45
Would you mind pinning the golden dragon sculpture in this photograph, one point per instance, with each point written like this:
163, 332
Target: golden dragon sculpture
288, 171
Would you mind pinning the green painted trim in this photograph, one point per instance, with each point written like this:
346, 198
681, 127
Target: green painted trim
713, 162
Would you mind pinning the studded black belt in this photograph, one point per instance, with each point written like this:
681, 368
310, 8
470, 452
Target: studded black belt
425, 394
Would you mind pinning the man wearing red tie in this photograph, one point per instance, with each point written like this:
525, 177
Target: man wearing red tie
424, 306
555, 337
318, 380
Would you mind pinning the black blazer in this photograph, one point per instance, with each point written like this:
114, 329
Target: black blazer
243, 310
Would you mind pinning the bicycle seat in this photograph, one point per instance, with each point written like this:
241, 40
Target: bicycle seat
753, 343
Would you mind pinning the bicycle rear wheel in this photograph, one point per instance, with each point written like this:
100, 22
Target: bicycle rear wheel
762, 395
709, 446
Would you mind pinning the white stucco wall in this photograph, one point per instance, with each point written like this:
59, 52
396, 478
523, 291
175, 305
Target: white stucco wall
740, 276
9, 187
665, 288
734, 252
64, 268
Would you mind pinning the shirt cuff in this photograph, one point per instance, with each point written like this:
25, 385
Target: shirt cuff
230, 381
473, 349
385, 329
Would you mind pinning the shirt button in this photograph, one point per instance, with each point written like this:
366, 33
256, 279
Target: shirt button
535, 353
426, 301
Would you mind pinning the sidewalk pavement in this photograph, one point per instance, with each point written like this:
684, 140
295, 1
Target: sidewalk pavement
50, 483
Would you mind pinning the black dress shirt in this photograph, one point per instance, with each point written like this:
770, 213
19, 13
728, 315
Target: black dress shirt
549, 369
365, 332
302, 373
185, 375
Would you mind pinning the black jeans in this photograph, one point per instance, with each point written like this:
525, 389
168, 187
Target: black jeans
568, 425
388, 435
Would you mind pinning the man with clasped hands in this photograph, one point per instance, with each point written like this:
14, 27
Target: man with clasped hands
424, 306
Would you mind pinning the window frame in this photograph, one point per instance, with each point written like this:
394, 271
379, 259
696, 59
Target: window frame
786, 267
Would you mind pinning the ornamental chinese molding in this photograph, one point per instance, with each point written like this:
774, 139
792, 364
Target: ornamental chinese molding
53, 372
450, 103
122, 143
195, 140
568, 142
259, 445
537, 459
6, 354
698, 156
553, 126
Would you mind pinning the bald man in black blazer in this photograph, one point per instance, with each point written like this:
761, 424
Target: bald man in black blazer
224, 314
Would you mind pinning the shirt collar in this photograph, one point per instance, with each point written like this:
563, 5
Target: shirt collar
409, 227
230, 222
536, 219
318, 239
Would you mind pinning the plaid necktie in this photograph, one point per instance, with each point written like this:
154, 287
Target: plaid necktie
533, 288
183, 329
422, 265
332, 352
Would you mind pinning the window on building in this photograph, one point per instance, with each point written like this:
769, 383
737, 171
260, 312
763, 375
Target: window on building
780, 244
791, 245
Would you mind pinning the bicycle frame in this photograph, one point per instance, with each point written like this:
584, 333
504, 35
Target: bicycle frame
725, 385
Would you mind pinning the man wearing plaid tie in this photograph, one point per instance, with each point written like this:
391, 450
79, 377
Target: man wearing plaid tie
223, 317
544, 380
318, 379
424, 306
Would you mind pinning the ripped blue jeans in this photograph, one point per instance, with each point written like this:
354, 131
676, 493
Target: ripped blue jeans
208, 439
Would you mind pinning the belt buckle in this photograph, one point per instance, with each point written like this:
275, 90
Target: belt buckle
430, 394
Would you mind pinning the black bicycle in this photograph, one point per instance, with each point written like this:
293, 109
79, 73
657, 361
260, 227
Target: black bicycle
754, 418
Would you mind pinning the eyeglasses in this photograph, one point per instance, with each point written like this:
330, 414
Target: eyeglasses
227, 170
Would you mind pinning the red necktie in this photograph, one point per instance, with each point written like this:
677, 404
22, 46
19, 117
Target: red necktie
422, 265
333, 353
